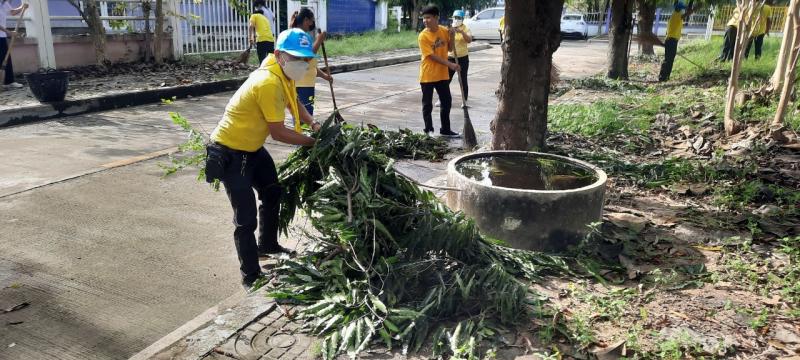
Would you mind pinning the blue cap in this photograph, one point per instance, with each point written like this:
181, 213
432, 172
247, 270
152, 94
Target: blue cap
679, 6
458, 13
296, 42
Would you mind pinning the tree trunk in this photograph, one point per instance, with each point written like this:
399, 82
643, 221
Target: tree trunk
158, 47
415, 15
533, 35
748, 8
781, 65
647, 15
619, 38
793, 13
91, 15
148, 43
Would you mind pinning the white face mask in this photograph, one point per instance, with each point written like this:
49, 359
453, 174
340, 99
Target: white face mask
294, 69
457, 22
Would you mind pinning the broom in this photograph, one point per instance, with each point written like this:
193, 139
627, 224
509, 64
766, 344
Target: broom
10, 46
653, 40
336, 114
244, 57
470, 139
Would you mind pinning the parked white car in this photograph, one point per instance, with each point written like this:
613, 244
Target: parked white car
574, 25
486, 24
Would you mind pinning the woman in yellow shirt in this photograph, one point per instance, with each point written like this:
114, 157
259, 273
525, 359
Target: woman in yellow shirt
304, 19
260, 34
461, 51
434, 42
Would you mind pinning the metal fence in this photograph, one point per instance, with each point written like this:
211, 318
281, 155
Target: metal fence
214, 26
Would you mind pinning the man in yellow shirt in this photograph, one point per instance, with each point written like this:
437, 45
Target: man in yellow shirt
434, 44
762, 28
729, 42
236, 156
461, 51
674, 30
260, 34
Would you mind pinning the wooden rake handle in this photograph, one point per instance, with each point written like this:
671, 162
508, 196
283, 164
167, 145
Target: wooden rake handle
13, 38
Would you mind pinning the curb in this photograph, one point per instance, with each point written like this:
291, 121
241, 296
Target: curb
40, 112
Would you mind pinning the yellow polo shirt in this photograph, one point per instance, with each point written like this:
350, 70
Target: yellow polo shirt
263, 29
310, 78
260, 100
675, 26
761, 27
433, 43
734, 21
461, 46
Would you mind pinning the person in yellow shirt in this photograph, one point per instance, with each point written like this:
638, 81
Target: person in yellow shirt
729, 42
502, 27
434, 44
674, 30
304, 20
260, 34
236, 156
762, 28
460, 53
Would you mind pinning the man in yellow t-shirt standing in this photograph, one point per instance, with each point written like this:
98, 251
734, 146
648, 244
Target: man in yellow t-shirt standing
434, 44
674, 30
729, 42
260, 34
762, 28
236, 156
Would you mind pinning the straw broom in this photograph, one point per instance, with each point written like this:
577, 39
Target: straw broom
244, 57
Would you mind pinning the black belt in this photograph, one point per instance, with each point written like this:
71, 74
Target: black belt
223, 147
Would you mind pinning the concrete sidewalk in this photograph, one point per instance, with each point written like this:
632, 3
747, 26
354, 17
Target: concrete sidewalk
112, 257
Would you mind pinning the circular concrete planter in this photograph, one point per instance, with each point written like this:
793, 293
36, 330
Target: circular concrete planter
540, 220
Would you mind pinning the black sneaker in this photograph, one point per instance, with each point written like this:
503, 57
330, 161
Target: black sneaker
449, 134
428, 132
275, 252
251, 285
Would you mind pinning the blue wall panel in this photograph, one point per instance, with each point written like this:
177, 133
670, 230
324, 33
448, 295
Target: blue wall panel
348, 16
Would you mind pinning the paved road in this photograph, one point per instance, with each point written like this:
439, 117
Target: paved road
111, 256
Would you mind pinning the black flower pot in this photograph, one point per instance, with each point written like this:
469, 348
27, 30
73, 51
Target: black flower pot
49, 86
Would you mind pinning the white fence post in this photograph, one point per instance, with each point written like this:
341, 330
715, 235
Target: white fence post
710, 23
177, 29
40, 22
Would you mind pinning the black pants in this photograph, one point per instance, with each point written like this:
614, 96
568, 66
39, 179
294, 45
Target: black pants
464, 63
759, 40
670, 50
9, 69
264, 48
728, 44
244, 172
443, 90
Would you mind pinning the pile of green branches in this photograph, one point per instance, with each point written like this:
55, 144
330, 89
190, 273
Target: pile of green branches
391, 263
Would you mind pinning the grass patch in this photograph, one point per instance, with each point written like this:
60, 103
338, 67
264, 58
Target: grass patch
604, 118
704, 53
371, 42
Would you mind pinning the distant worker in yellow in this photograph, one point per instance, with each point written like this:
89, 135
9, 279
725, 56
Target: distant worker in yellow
762, 28
260, 33
674, 30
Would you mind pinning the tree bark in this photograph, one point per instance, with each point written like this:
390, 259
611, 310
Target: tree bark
91, 15
415, 14
619, 38
533, 35
647, 15
793, 14
147, 7
158, 47
750, 14
776, 82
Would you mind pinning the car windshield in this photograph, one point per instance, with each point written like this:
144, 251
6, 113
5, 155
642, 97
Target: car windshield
499, 13
486, 15
571, 18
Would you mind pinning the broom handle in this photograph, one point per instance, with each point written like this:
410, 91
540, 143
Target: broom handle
11, 43
328, 70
